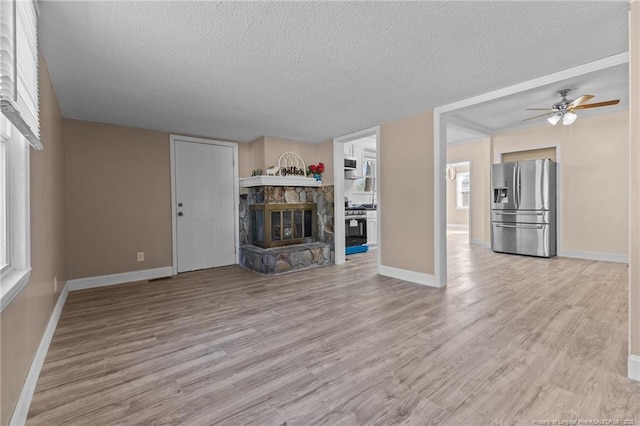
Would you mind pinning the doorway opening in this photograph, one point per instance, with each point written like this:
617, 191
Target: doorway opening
356, 207
450, 114
458, 177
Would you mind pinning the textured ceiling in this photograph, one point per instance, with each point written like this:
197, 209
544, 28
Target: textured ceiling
306, 70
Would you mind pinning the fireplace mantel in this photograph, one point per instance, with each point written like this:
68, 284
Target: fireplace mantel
278, 181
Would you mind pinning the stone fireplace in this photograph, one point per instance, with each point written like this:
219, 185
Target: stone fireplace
286, 228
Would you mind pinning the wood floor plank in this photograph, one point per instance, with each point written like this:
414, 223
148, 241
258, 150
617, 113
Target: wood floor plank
510, 340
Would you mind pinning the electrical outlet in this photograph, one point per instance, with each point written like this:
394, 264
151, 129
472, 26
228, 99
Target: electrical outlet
140, 256
55, 284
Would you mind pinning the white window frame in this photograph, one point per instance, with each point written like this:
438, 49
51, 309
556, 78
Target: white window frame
459, 191
19, 103
364, 176
5, 219
16, 275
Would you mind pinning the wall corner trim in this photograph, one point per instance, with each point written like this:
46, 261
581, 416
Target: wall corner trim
633, 367
406, 275
19, 416
126, 277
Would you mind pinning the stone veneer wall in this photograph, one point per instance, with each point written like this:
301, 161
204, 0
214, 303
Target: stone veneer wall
279, 260
322, 196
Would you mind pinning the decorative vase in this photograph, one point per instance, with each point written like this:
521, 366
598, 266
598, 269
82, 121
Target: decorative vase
318, 177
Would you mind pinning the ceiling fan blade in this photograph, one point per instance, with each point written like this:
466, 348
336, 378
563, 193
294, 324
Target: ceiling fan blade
598, 104
582, 99
538, 116
539, 109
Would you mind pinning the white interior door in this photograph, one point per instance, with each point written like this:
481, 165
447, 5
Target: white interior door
205, 205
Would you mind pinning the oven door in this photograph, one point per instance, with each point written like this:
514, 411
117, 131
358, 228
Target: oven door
355, 231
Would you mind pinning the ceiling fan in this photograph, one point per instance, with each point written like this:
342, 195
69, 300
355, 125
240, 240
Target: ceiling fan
564, 110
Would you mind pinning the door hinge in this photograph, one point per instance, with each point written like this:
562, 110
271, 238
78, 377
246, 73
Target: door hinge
233, 160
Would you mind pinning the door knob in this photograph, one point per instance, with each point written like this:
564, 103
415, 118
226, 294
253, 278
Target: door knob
180, 214
179, 204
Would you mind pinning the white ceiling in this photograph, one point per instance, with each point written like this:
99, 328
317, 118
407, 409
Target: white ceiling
306, 70
457, 134
509, 112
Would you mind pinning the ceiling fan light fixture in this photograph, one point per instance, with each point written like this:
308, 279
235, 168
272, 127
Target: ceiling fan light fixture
564, 109
554, 119
568, 118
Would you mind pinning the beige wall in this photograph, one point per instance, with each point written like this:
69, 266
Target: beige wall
634, 181
325, 156
406, 193
478, 153
594, 172
456, 216
244, 159
24, 320
275, 147
265, 152
254, 158
118, 199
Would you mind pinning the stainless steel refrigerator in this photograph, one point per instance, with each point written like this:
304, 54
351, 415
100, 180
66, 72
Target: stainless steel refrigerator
523, 208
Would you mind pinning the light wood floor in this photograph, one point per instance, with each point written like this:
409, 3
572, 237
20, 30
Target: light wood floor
511, 340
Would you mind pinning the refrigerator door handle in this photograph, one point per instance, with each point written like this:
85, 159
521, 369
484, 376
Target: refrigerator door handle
515, 187
519, 213
504, 225
519, 185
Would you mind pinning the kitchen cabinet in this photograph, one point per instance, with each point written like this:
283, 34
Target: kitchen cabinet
354, 151
358, 153
348, 150
372, 227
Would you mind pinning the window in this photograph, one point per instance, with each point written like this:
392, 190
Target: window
14, 169
367, 183
462, 190
19, 127
4, 181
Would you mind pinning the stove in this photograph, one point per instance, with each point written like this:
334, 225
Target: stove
355, 212
355, 229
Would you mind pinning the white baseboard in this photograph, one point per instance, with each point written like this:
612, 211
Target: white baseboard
480, 242
406, 275
458, 225
126, 277
21, 411
605, 257
633, 367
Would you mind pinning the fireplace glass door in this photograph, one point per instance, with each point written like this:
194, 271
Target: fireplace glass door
274, 225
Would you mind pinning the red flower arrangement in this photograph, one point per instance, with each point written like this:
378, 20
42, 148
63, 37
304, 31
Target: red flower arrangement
316, 170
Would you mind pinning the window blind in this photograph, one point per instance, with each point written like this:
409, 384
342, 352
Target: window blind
19, 67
